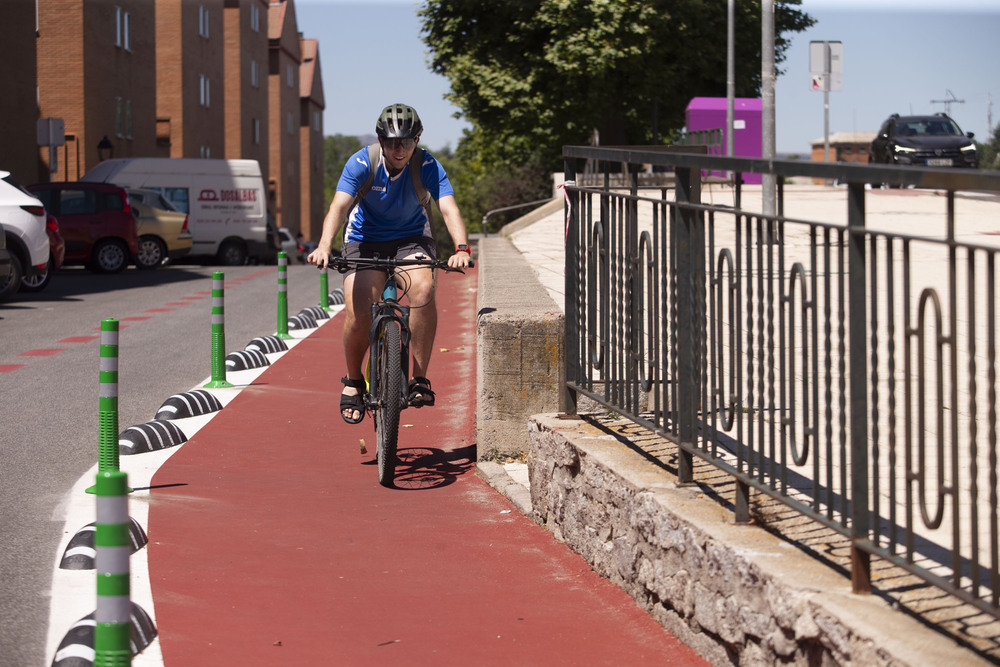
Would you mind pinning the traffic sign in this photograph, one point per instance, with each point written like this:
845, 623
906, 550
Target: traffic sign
826, 66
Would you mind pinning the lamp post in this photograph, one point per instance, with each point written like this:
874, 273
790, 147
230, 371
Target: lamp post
105, 149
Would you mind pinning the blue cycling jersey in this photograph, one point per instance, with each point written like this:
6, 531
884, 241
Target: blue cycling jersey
390, 210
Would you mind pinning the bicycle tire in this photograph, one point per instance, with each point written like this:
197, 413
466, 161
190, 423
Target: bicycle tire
390, 379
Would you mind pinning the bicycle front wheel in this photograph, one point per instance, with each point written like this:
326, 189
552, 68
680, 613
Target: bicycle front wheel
390, 380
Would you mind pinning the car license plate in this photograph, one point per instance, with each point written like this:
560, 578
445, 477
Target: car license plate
939, 162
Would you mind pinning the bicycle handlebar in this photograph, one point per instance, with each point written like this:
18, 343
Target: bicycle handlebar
343, 264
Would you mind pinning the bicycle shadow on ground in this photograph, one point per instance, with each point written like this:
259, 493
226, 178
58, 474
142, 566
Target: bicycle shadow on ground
422, 468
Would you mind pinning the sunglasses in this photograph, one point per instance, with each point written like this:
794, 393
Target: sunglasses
405, 144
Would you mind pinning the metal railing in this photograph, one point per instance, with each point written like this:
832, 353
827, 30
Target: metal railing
843, 368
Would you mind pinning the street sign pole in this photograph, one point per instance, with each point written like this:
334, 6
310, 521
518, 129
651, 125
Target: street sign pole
826, 74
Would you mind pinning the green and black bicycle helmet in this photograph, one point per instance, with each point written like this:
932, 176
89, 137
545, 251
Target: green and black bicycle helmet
398, 121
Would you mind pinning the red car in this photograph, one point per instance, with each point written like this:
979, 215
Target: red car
95, 220
57, 252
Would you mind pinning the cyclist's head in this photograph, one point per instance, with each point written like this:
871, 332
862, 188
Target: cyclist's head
398, 121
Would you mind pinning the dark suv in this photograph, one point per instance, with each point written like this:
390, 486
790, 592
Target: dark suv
925, 141
96, 222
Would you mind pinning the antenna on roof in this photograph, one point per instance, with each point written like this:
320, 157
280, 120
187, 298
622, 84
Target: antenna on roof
947, 103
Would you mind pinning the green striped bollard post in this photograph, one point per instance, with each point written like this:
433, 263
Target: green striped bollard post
218, 331
324, 290
283, 296
107, 437
111, 541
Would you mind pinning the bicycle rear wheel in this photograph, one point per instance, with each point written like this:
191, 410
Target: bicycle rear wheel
390, 380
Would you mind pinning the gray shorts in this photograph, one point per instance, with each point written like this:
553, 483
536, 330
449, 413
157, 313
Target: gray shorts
398, 249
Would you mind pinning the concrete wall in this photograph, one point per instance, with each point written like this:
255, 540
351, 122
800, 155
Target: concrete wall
519, 354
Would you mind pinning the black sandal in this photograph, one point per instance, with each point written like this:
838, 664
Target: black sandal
420, 392
356, 402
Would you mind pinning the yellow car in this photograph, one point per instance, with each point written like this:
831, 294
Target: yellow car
163, 230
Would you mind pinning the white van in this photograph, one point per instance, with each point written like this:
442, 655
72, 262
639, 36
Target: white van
225, 201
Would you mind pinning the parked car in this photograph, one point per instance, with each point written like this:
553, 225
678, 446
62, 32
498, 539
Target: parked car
272, 242
290, 245
96, 221
23, 218
57, 252
163, 230
926, 141
4, 261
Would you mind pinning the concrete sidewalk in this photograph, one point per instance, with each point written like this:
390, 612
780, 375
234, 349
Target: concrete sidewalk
271, 541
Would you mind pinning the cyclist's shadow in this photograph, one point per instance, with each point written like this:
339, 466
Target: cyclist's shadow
431, 468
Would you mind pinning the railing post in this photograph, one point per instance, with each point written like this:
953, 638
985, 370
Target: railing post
688, 191
858, 390
571, 278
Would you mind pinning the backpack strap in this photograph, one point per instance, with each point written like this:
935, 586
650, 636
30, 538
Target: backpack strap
374, 155
423, 196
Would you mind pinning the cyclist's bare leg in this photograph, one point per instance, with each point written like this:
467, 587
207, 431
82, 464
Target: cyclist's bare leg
360, 290
423, 318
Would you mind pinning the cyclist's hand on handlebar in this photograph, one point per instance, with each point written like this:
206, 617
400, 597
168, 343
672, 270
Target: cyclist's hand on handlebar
460, 260
321, 257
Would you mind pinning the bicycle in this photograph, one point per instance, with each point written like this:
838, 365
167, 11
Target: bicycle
388, 354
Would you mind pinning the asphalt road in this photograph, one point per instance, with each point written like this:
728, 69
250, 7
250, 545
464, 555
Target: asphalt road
49, 344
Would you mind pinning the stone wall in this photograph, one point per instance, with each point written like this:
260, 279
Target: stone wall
737, 594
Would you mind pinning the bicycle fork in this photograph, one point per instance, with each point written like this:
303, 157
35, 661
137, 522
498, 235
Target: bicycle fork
389, 313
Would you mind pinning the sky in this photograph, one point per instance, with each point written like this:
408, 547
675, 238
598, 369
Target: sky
898, 57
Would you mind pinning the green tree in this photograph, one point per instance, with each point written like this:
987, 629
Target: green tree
989, 153
337, 148
534, 75
538, 74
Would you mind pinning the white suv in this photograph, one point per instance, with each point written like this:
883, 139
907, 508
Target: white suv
22, 218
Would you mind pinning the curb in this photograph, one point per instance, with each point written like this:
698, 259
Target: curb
497, 476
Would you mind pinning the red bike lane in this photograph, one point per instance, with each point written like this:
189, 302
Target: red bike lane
272, 543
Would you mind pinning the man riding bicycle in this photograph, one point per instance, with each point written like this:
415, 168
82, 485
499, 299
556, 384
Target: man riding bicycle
390, 221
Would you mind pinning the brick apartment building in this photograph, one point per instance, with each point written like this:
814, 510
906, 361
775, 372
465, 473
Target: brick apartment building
246, 53
311, 140
284, 58
168, 78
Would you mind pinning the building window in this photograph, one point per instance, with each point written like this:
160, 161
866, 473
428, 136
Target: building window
290, 76
255, 18
206, 152
254, 74
206, 91
255, 125
291, 123
123, 29
203, 21
118, 116
316, 119
128, 119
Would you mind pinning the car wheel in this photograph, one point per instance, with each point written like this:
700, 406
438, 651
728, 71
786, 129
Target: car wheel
152, 252
110, 256
232, 253
39, 281
10, 285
